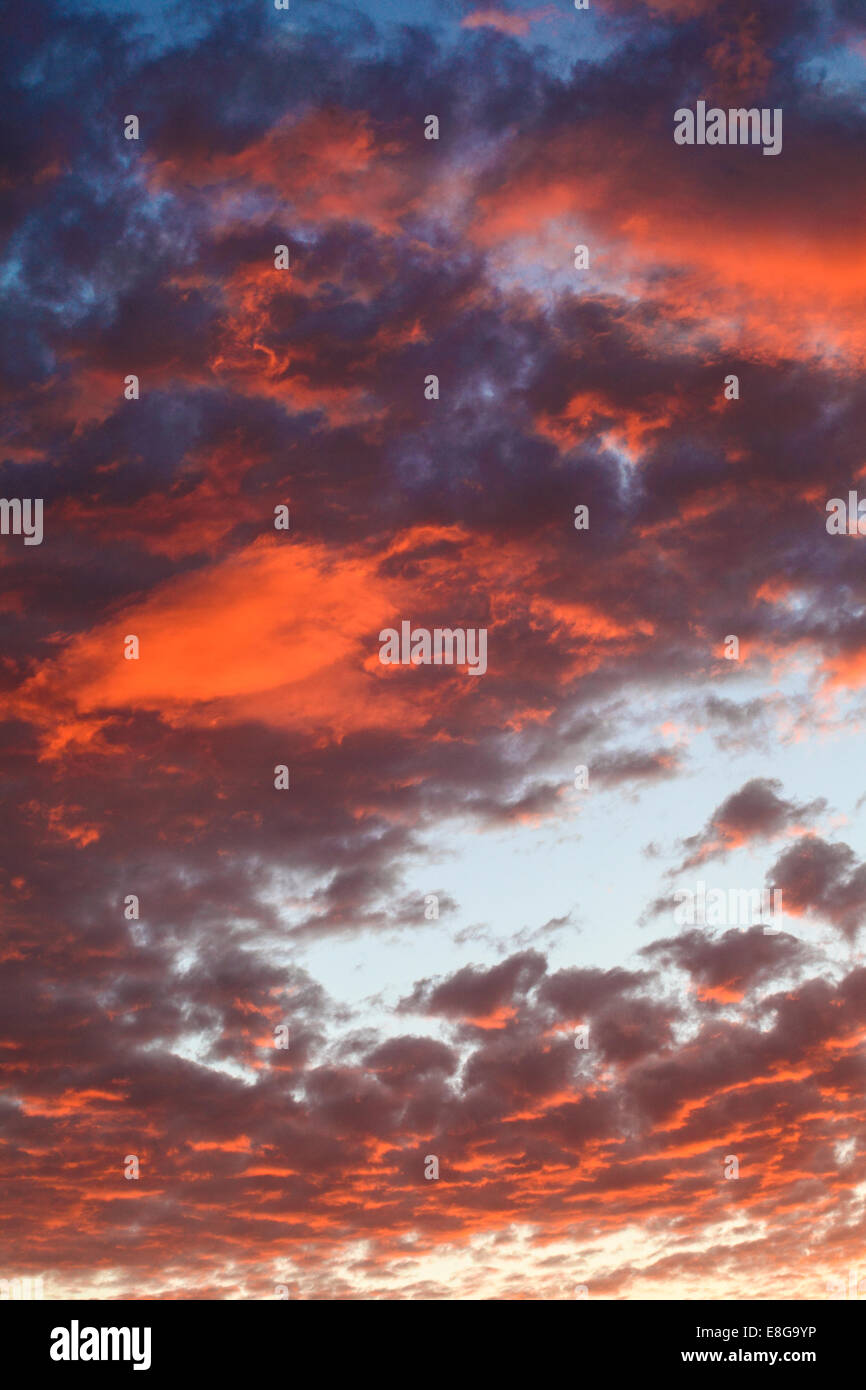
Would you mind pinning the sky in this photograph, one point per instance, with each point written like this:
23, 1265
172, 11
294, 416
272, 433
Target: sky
515, 1068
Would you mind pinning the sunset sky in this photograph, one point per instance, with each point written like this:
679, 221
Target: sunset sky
410, 1035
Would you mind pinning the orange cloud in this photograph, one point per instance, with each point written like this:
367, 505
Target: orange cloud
276, 633
283, 632
506, 23
328, 164
797, 290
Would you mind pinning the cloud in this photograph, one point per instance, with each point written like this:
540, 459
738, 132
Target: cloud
724, 968
614, 769
478, 995
825, 879
754, 813
517, 24
156, 1035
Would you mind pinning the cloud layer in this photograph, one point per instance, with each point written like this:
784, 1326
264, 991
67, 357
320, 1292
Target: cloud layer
303, 388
